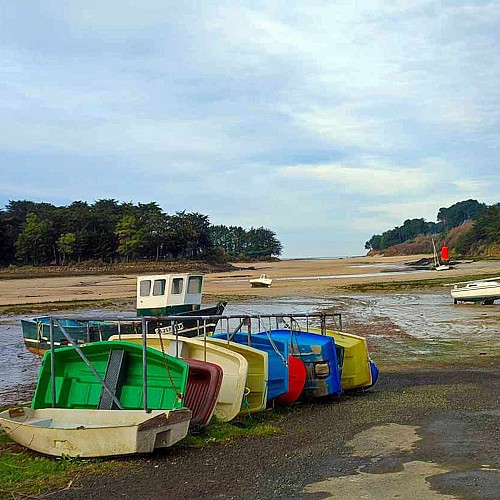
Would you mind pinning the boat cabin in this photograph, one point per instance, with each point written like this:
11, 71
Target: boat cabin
167, 294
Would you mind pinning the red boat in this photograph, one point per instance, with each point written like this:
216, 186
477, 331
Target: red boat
296, 382
202, 390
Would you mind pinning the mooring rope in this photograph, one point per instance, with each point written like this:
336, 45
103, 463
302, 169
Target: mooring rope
179, 394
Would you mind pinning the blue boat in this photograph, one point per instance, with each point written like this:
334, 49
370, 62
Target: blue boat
319, 354
277, 359
374, 371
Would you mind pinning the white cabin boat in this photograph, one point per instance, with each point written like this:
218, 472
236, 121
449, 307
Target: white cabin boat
485, 291
94, 433
264, 281
167, 294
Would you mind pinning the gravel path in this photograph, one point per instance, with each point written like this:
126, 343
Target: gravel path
424, 434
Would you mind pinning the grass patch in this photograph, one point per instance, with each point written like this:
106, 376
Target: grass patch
410, 286
69, 305
25, 473
258, 425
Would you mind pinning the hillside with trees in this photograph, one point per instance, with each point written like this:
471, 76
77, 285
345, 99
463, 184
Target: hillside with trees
469, 228
108, 231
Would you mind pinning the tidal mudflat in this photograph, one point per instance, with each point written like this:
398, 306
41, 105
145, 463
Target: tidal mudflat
414, 329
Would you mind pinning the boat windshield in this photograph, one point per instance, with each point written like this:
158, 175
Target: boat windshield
145, 288
194, 284
177, 285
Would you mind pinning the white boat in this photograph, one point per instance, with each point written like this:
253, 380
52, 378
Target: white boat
94, 433
234, 366
485, 291
264, 281
258, 376
438, 266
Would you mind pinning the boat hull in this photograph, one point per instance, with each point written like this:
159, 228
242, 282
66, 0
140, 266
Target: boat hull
356, 371
257, 379
297, 376
77, 387
94, 433
234, 366
204, 382
277, 355
319, 356
260, 284
485, 292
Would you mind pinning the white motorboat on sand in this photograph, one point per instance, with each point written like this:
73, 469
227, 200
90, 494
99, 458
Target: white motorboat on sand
485, 291
264, 281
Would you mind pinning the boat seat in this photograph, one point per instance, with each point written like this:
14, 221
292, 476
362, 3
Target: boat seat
178, 349
39, 422
115, 376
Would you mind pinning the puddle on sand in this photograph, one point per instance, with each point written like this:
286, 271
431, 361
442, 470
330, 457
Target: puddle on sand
411, 482
380, 442
383, 440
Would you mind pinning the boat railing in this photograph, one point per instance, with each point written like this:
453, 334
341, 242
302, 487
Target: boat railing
221, 322
227, 324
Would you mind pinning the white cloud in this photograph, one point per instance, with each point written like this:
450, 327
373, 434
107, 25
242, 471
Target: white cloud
371, 178
305, 117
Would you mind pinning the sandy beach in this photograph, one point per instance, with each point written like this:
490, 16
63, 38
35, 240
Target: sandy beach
427, 429
291, 278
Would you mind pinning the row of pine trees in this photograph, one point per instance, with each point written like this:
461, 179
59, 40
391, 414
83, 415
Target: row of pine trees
109, 231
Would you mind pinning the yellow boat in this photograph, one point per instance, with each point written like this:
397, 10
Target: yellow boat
356, 371
234, 366
257, 378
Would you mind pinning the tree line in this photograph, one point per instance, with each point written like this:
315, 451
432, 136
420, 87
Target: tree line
110, 231
485, 230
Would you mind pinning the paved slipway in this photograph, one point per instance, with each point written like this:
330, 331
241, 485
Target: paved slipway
431, 434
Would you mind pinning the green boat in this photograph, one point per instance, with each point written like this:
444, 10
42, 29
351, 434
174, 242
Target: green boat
89, 402
120, 365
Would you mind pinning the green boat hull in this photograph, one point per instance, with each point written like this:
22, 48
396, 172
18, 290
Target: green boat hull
78, 388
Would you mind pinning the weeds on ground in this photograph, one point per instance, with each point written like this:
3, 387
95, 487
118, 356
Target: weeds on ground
259, 424
409, 285
25, 473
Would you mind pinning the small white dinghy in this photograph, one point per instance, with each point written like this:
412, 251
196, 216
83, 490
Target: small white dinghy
264, 281
95, 433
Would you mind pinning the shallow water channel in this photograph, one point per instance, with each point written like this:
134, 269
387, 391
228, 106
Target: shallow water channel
408, 325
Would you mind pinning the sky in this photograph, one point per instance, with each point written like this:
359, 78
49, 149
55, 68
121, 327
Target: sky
324, 121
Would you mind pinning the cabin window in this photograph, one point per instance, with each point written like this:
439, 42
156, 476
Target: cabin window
145, 288
159, 287
177, 286
194, 284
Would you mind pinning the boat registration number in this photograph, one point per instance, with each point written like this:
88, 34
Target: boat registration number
169, 329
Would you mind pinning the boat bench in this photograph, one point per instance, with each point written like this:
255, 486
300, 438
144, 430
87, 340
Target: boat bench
114, 378
40, 422
178, 349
